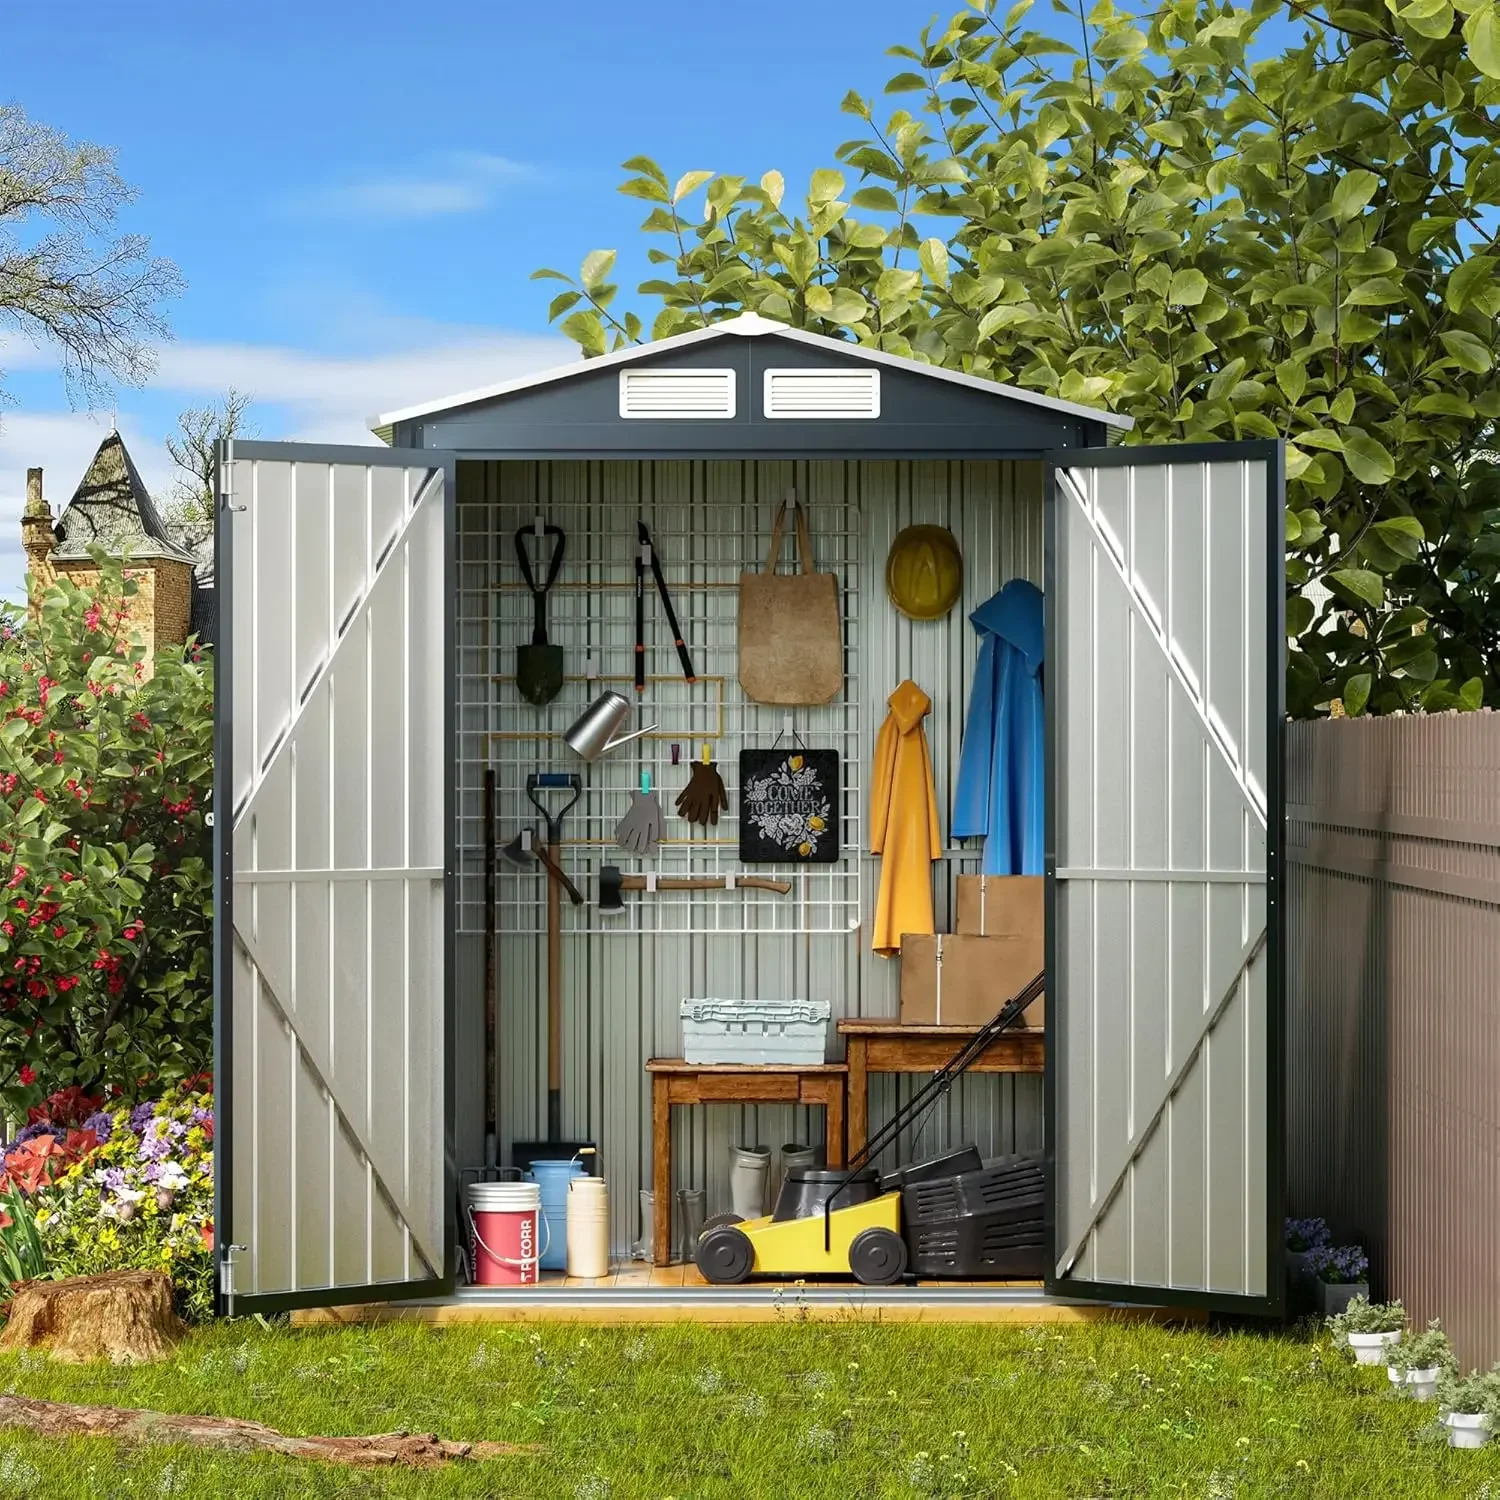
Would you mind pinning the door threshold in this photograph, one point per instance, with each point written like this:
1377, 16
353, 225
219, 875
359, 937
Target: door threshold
746, 1304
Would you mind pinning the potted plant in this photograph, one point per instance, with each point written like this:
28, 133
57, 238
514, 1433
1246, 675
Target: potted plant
1368, 1329
1339, 1275
1470, 1406
1419, 1361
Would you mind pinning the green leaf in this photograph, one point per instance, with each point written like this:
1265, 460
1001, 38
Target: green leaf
933, 255
906, 83
586, 330
881, 199
1291, 376
1482, 33
1356, 694
1402, 534
687, 183
1470, 353
1293, 526
848, 306
1364, 585
562, 303
645, 165
1468, 278
1378, 291
1353, 193
597, 265
1444, 404
1368, 459
1299, 614
826, 185
773, 185
1471, 694
545, 275
1188, 288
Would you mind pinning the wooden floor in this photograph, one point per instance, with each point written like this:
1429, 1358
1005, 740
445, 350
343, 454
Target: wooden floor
637, 1293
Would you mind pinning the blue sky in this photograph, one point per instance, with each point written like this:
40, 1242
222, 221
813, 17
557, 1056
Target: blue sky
357, 194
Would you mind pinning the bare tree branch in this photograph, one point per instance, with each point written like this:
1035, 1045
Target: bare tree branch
64, 281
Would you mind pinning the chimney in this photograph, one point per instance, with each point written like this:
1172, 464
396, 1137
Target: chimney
37, 536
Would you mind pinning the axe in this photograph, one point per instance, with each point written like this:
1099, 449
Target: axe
614, 882
525, 848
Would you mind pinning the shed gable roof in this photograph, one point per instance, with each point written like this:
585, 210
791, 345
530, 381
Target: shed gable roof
746, 325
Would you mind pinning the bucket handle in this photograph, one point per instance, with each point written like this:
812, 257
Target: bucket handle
505, 1260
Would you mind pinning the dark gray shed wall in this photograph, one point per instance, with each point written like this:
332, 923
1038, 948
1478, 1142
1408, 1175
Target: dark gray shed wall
920, 416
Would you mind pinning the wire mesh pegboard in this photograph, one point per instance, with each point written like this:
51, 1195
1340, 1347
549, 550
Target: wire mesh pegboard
709, 522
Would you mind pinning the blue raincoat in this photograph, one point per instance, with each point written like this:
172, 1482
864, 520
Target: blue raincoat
1000, 771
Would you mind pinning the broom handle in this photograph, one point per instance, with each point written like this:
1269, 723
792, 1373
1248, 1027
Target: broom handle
704, 883
554, 1003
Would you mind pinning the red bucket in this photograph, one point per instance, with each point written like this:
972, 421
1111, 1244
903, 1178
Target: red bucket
507, 1234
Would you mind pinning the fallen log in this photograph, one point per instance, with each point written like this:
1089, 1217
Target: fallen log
124, 1316
413, 1450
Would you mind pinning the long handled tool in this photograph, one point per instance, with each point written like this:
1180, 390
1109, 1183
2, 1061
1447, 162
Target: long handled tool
613, 881
525, 851
646, 557
539, 665
491, 1082
933, 1090
541, 782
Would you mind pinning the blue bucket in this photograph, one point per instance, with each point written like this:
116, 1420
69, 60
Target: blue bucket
552, 1177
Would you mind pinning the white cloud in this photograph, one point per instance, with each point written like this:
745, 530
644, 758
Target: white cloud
460, 183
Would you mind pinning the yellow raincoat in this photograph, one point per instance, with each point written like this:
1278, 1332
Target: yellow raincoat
904, 821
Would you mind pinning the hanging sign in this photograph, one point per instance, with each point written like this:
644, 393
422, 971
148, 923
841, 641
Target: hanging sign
789, 806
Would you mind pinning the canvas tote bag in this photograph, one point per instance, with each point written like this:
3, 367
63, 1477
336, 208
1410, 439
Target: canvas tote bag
791, 647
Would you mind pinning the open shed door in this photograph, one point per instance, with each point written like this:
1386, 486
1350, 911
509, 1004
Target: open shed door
333, 846
1165, 693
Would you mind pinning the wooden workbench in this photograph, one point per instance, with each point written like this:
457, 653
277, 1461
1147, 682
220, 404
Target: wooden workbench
676, 1082
889, 1047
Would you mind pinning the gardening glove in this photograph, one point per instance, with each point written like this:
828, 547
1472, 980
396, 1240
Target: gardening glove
639, 830
703, 798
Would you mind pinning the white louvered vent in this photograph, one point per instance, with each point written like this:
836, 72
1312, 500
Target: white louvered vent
823, 393
676, 393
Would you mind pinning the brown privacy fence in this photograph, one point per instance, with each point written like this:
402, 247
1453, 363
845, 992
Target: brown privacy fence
1393, 1006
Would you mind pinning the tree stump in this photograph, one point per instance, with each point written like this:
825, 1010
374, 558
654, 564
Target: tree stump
124, 1316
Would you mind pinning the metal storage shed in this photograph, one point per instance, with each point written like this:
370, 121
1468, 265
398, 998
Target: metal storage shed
367, 619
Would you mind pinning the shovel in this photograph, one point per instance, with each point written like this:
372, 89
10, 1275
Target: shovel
544, 782
539, 666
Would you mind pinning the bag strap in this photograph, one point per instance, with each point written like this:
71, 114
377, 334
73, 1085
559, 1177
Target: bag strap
804, 536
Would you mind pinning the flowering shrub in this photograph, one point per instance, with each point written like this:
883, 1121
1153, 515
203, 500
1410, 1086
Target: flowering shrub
142, 1199
105, 875
1344, 1264
1306, 1234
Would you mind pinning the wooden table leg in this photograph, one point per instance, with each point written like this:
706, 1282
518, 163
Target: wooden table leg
859, 1095
834, 1124
661, 1170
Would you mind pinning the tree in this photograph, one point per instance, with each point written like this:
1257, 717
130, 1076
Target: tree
64, 281
1300, 247
189, 510
106, 890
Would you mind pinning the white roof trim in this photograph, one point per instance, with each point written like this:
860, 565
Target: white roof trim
750, 325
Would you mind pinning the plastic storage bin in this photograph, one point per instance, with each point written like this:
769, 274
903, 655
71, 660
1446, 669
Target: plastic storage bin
978, 1224
755, 1031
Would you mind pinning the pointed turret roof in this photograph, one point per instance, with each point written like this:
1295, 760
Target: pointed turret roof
112, 508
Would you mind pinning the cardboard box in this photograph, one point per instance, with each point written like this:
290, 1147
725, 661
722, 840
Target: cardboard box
957, 979
1001, 906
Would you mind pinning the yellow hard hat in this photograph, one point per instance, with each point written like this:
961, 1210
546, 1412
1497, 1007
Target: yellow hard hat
924, 573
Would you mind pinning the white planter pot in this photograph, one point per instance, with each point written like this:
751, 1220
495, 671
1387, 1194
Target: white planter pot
1398, 1379
1373, 1348
1467, 1429
1422, 1384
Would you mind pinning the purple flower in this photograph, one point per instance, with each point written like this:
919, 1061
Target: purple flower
102, 1124
40, 1127
1345, 1264
141, 1116
113, 1178
201, 1116
1306, 1234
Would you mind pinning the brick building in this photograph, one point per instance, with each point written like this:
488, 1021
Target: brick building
112, 508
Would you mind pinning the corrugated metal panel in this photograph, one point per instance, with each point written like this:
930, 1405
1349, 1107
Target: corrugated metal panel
622, 990
1393, 1009
1159, 984
334, 1108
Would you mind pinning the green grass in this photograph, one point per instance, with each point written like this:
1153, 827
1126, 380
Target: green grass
793, 1409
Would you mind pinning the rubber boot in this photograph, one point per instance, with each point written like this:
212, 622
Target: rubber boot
690, 1218
795, 1157
641, 1250
749, 1171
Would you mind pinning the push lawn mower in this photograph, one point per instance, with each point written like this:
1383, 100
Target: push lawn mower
952, 1215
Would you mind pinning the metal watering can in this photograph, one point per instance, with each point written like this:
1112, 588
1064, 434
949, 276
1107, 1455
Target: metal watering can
590, 735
